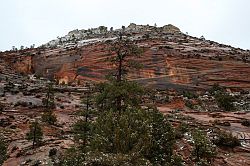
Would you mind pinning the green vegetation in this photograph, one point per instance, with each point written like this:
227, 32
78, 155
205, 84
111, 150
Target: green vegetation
189, 95
226, 139
1, 107
3, 150
203, 150
225, 101
48, 116
216, 88
123, 133
48, 101
35, 134
189, 104
133, 136
245, 122
181, 130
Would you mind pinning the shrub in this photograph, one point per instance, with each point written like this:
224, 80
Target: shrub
189, 104
52, 152
49, 117
245, 122
221, 123
216, 88
226, 139
225, 101
189, 95
181, 130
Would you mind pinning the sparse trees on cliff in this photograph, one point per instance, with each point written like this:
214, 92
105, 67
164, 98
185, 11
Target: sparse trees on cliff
123, 133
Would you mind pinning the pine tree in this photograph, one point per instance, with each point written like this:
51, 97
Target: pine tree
35, 134
82, 128
3, 150
49, 104
120, 93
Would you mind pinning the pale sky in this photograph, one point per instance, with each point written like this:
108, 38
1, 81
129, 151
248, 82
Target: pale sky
27, 22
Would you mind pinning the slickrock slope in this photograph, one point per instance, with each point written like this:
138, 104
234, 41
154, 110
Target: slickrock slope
170, 58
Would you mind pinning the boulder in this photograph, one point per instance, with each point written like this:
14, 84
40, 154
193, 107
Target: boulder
170, 29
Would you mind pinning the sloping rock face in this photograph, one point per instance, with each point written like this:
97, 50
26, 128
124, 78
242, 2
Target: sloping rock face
171, 59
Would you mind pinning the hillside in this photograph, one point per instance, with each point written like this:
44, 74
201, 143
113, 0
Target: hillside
183, 72
170, 59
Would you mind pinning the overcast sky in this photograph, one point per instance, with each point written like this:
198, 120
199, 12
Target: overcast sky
27, 22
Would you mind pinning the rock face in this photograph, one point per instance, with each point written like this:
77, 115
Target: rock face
171, 29
170, 58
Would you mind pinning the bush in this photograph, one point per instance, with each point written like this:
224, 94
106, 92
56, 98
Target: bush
226, 139
225, 101
216, 88
221, 123
189, 104
52, 152
49, 117
245, 122
181, 130
190, 95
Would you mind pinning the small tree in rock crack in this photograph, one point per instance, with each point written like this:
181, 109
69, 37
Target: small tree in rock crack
48, 116
35, 134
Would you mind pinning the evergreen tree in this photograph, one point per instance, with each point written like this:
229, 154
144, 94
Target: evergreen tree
49, 104
117, 92
48, 101
35, 134
203, 150
82, 128
3, 150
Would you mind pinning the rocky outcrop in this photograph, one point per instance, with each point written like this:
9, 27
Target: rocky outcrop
170, 59
171, 29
